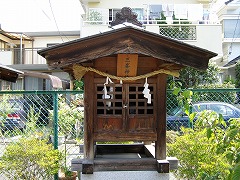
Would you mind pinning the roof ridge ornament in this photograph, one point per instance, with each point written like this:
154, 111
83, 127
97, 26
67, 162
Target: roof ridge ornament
126, 15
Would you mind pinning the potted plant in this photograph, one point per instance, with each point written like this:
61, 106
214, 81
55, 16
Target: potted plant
30, 158
65, 172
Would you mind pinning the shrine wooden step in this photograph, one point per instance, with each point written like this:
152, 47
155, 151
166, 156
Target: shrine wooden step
125, 164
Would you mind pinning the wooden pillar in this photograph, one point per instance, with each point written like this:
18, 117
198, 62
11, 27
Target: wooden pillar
160, 144
71, 82
87, 166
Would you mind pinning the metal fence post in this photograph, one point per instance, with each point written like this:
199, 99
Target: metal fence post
55, 124
190, 122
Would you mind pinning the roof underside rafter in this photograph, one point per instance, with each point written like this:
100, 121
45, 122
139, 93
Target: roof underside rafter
126, 40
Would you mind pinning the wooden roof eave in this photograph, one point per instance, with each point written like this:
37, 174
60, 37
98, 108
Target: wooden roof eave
126, 40
9, 74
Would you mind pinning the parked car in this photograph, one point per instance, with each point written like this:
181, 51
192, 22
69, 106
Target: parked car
178, 117
16, 116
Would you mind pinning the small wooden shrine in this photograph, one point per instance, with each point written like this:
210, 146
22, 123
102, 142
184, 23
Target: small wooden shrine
125, 71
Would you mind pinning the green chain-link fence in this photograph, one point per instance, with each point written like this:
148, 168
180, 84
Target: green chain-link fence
58, 115
53, 115
222, 101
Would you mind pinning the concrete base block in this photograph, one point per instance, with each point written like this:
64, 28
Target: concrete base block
163, 166
87, 167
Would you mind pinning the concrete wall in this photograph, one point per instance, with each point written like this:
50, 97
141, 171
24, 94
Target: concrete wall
6, 57
209, 37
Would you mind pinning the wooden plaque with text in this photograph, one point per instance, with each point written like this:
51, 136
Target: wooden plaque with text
127, 65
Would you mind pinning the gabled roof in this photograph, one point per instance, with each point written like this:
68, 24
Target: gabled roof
15, 35
126, 40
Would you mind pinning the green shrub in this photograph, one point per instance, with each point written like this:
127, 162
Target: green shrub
224, 96
211, 150
30, 158
227, 140
171, 136
197, 156
68, 116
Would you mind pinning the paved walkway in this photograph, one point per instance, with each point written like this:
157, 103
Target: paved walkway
127, 175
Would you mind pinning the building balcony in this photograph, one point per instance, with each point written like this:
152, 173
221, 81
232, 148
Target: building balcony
11, 56
204, 34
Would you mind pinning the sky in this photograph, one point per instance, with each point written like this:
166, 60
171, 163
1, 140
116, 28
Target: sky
40, 15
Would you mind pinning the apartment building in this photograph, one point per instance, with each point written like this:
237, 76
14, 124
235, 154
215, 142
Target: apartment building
189, 21
19, 51
228, 13
197, 22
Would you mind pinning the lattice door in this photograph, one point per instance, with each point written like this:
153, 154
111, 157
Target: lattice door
125, 109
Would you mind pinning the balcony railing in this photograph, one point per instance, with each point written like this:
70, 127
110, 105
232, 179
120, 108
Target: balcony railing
179, 32
176, 29
11, 56
150, 22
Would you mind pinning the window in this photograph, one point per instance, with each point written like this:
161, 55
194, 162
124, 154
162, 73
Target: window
222, 109
138, 11
155, 11
231, 28
112, 14
199, 108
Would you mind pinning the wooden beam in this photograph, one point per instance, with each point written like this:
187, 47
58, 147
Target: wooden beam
125, 136
119, 148
125, 164
88, 123
160, 144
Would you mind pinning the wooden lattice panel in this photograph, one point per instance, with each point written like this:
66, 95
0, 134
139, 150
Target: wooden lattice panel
126, 110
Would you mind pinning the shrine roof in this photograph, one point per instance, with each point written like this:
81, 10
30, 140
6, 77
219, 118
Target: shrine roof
126, 39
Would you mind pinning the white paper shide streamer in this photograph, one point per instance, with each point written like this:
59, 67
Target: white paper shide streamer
105, 93
146, 92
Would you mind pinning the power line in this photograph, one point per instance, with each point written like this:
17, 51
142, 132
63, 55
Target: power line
56, 21
42, 10
234, 32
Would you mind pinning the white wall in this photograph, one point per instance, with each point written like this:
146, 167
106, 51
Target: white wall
88, 30
209, 37
41, 42
233, 50
6, 57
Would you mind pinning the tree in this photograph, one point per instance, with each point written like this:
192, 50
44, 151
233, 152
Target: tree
237, 71
191, 78
212, 149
